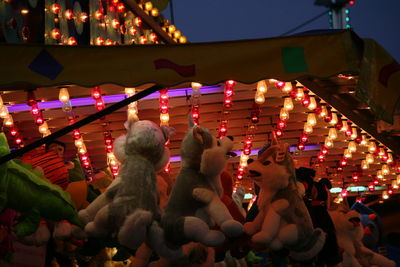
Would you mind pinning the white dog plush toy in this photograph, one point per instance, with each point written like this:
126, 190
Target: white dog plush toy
129, 209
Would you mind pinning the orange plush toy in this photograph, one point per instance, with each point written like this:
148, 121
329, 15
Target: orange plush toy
238, 247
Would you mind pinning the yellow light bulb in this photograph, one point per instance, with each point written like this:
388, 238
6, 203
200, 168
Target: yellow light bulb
262, 86
196, 86
352, 146
390, 158
82, 150
313, 103
287, 88
148, 6
43, 128
385, 169
79, 142
385, 195
154, 12
8, 121
63, 95
371, 146
379, 174
130, 91
364, 165
259, 98
288, 104
332, 133
328, 142
177, 34
398, 179
395, 185
324, 111
3, 111
164, 118
369, 158
171, 28
344, 127
354, 133
1, 101
308, 128
244, 157
243, 164
381, 152
364, 141
347, 154
284, 114
299, 94
182, 40
311, 119
334, 119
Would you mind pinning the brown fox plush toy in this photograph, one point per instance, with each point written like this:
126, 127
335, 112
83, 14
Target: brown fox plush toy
283, 220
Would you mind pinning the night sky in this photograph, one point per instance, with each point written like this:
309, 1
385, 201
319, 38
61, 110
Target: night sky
219, 20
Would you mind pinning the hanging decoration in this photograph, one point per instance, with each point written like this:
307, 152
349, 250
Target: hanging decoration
76, 134
195, 102
108, 140
132, 111
227, 104
164, 119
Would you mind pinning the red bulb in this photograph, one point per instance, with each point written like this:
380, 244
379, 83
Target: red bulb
280, 84
55, 8
352, 2
255, 119
18, 140
228, 92
120, 7
281, 124
343, 162
301, 146
98, 15
355, 177
324, 150
278, 132
246, 151
304, 137
96, 92
39, 120
306, 100
339, 124
231, 82
35, 110
13, 132
321, 157
376, 182
328, 116
371, 187
69, 14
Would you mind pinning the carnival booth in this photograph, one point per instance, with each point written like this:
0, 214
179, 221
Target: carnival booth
326, 102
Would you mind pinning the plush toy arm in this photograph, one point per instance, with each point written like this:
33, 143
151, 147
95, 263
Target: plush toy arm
87, 215
218, 211
213, 161
271, 223
253, 227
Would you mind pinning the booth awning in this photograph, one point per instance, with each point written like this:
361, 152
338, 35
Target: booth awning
320, 55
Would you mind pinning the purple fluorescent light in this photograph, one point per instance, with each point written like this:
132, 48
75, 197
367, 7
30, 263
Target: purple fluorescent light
255, 151
87, 101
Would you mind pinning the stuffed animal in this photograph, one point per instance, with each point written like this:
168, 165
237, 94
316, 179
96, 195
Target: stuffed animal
349, 233
283, 220
129, 207
234, 249
373, 229
317, 197
194, 203
28, 192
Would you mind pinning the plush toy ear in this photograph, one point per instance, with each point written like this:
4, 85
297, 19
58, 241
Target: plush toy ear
128, 124
167, 131
198, 134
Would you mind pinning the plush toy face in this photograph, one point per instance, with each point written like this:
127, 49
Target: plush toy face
148, 139
273, 168
347, 222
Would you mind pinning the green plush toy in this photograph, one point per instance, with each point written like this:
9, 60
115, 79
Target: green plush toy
28, 192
